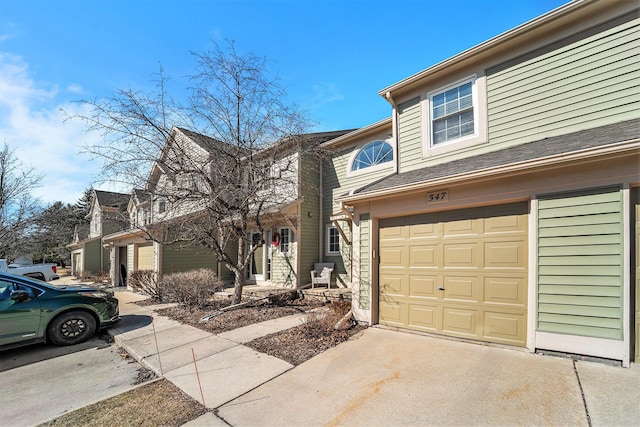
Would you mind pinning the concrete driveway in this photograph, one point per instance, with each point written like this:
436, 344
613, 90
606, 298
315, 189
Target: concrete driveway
395, 378
41, 382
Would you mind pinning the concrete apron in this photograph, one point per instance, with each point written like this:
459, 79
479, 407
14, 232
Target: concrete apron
394, 378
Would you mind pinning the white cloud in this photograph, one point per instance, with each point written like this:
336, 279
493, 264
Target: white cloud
75, 89
31, 121
325, 93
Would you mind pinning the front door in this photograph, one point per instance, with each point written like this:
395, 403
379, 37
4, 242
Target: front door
255, 270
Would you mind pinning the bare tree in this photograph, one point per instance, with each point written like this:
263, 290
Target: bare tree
219, 189
17, 206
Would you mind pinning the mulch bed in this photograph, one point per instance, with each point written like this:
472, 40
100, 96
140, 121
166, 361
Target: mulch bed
238, 317
315, 335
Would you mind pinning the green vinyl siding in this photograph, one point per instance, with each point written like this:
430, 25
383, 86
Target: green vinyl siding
310, 218
283, 265
336, 182
177, 259
586, 82
580, 277
93, 257
364, 301
410, 135
130, 257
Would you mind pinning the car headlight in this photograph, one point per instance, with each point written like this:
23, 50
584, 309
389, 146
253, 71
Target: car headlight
94, 294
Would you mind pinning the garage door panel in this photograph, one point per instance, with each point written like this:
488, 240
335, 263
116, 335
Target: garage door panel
460, 321
461, 255
394, 285
423, 231
424, 256
145, 257
461, 273
426, 317
392, 232
393, 313
502, 224
462, 227
393, 256
424, 286
508, 254
505, 328
461, 288
510, 291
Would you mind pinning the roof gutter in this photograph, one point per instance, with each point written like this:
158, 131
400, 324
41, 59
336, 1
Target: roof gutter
618, 149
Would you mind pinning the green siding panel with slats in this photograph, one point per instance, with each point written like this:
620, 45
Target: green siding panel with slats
309, 233
365, 267
580, 277
410, 135
177, 258
590, 82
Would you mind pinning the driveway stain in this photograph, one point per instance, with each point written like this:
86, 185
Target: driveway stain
359, 401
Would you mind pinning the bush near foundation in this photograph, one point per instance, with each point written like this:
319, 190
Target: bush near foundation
191, 288
144, 282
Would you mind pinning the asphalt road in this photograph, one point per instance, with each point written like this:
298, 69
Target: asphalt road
41, 382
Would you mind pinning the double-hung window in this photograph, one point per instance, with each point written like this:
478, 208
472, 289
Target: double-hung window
333, 240
285, 239
453, 113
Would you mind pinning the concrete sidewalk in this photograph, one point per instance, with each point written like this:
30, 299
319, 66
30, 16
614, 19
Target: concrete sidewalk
381, 377
226, 368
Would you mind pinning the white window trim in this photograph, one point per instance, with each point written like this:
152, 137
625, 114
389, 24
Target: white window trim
289, 234
358, 148
328, 240
479, 136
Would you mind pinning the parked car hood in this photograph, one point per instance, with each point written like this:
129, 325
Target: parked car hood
79, 288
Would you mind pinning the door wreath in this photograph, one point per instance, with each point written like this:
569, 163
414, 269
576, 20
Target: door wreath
275, 240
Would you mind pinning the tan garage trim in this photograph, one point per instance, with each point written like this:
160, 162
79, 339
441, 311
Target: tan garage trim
460, 273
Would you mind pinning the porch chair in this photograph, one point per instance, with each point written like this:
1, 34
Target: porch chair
321, 274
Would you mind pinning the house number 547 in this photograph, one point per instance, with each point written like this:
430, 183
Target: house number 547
438, 196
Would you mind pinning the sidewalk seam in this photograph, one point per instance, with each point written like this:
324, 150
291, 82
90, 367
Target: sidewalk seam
584, 399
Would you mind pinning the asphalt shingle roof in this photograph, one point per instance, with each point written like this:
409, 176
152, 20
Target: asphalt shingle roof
576, 141
111, 199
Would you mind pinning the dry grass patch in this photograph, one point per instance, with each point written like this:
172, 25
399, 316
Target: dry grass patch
156, 404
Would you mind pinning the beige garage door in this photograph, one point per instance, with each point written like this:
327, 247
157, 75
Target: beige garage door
461, 273
145, 257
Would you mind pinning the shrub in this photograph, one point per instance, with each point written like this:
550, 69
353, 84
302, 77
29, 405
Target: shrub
101, 277
192, 288
319, 322
144, 282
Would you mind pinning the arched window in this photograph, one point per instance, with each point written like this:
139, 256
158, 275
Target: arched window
373, 154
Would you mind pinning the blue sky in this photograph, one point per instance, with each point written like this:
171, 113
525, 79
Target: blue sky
333, 56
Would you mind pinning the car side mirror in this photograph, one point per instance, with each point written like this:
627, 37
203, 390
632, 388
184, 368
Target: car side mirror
19, 296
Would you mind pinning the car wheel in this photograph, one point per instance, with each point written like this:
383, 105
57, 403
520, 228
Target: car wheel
38, 276
71, 328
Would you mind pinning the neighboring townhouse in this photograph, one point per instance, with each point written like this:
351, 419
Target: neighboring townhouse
500, 202
290, 215
135, 249
107, 215
293, 220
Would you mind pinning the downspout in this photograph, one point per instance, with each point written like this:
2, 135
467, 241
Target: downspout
394, 128
321, 214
